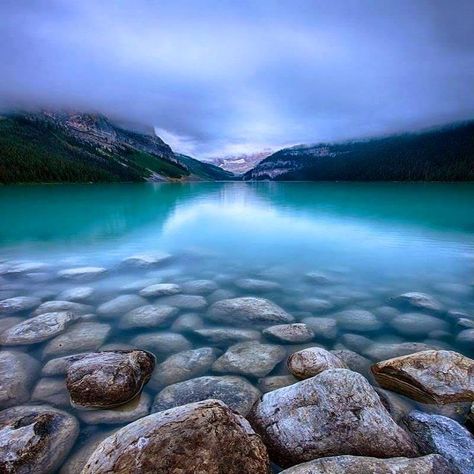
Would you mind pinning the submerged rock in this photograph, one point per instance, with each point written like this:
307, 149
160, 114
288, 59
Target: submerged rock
224, 336
274, 382
35, 439
56, 306
249, 358
314, 305
60, 365
162, 342
37, 329
187, 322
52, 391
160, 289
383, 351
78, 294
199, 437
418, 300
187, 302
312, 361
354, 362
357, 320
133, 410
183, 366
149, 316
290, 333
17, 375
199, 287
323, 328
82, 337
431, 464
120, 305
417, 324
147, 260
429, 376
236, 392
444, 436
247, 310
82, 273
257, 286
18, 304
336, 412
108, 379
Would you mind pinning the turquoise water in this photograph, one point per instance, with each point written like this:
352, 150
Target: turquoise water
371, 241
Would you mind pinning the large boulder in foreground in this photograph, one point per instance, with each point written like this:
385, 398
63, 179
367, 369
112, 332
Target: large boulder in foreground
336, 412
110, 378
200, 437
432, 464
313, 360
444, 436
429, 376
35, 439
248, 311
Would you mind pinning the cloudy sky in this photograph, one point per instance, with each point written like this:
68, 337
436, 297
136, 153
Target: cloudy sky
224, 77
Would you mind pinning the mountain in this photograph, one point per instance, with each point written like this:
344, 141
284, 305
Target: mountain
204, 170
442, 154
79, 147
240, 164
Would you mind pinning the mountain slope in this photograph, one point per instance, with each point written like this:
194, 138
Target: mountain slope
204, 170
64, 147
445, 154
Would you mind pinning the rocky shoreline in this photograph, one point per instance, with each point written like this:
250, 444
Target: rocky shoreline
216, 375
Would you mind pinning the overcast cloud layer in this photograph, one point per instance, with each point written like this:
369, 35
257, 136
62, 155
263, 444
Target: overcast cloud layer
218, 77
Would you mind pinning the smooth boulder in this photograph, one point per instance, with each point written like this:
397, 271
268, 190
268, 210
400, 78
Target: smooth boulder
160, 289
82, 273
18, 304
418, 300
35, 439
110, 378
200, 437
148, 316
429, 376
290, 333
312, 361
336, 412
248, 311
120, 305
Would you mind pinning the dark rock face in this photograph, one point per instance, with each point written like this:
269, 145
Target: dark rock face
336, 412
35, 439
37, 329
444, 436
107, 379
432, 464
248, 310
199, 437
429, 376
235, 392
17, 374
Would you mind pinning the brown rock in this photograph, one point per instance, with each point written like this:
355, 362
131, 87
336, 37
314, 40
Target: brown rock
203, 437
429, 376
311, 361
432, 464
336, 412
108, 379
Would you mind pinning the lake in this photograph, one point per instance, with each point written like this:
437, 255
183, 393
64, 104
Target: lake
314, 249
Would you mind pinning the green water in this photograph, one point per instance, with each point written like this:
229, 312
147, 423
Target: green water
372, 241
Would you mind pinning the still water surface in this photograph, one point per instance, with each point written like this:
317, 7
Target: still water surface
370, 242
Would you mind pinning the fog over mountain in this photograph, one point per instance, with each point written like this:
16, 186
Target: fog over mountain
219, 78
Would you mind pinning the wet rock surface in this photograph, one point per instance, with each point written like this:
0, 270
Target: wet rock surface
223, 337
199, 437
120, 305
274, 382
57, 306
431, 464
290, 333
417, 324
444, 436
160, 289
186, 302
312, 361
149, 316
357, 320
336, 412
429, 376
248, 310
108, 379
323, 328
51, 390
35, 439
236, 392
249, 358
18, 304
255, 285
147, 260
417, 300
82, 273
162, 342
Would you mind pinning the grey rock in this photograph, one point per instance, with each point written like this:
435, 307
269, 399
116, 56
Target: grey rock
290, 333
56, 306
187, 322
236, 392
147, 260
199, 287
17, 375
417, 324
356, 342
135, 409
149, 316
7, 322
397, 406
221, 294
186, 302
441, 435
312, 361
78, 294
52, 391
160, 289
432, 464
418, 300
18, 304
316, 305
355, 362
224, 336
249, 358
466, 338
383, 351
257, 286
319, 278
183, 366
60, 365
82, 273
82, 337
199, 437
323, 328
248, 311
336, 412
35, 439
358, 320
120, 305
386, 313
37, 329
162, 342
274, 382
